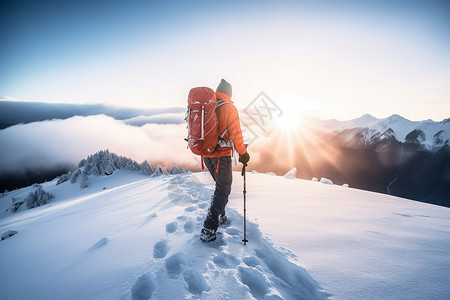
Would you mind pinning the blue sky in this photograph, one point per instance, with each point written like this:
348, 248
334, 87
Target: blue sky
336, 59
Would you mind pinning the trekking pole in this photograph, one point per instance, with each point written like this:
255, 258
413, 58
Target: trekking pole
245, 208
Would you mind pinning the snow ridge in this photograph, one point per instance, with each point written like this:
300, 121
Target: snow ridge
105, 163
102, 163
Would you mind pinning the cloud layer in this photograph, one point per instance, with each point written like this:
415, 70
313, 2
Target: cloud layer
170, 118
16, 112
40, 145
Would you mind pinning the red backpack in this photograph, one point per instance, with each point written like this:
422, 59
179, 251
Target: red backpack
201, 120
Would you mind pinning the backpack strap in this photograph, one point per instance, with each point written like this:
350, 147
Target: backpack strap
221, 137
223, 134
220, 103
218, 164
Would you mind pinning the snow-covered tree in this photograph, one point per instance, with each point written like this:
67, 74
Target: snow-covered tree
83, 181
106, 163
82, 163
131, 165
176, 170
15, 205
94, 161
63, 178
160, 171
120, 162
37, 197
146, 168
75, 175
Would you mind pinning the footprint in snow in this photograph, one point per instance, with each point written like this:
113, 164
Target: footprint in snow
175, 264
202, 269
195, 281
251, 261
171, 227
301, 285
203, 205
226, 261
160, 249
189, 226
144, 287
255, 280
232, 231
190, 208
183, 190
181, 218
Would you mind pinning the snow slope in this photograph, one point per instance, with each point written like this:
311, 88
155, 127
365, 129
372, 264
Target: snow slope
127, 236
356, 244
139, 240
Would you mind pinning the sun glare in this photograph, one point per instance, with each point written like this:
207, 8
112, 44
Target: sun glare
293, 114
290, 120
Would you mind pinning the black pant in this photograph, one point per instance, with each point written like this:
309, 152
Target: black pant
223, 179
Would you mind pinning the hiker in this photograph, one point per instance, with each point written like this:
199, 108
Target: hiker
219, 162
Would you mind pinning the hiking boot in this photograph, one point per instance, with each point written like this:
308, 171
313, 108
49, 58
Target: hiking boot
208, 235
223, 218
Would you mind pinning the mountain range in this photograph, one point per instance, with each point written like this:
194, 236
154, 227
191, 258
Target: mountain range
394, 155
367, 130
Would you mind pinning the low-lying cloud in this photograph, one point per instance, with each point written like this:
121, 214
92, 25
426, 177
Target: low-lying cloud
16, 112
170, 118
52, 146
41, 145
159, 139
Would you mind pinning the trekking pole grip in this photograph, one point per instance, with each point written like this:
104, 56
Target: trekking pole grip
244, 165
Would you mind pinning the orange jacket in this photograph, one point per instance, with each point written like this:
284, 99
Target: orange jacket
228, 118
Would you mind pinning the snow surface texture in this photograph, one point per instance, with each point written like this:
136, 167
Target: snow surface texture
125, 237
435, 134
356, 244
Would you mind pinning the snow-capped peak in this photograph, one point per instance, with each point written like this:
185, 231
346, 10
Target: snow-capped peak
361, 122
364, 120
398, 127
396, 118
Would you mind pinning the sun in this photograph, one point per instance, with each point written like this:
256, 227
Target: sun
290, 120
293, 115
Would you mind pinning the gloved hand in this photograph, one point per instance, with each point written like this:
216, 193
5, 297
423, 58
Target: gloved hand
244, 158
